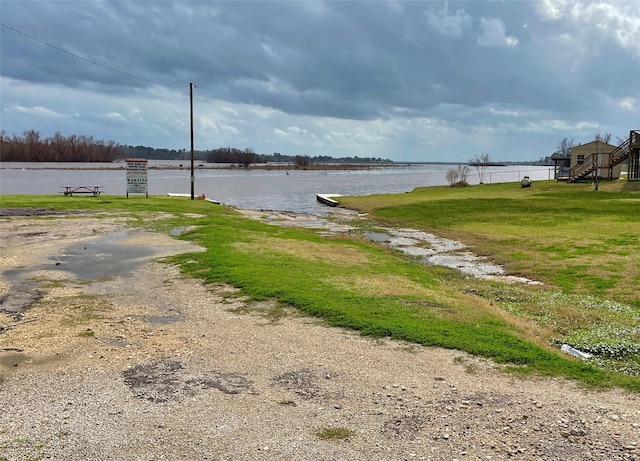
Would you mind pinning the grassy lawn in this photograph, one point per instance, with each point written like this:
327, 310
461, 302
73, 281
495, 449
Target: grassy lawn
353, 283
568, 236
583, 244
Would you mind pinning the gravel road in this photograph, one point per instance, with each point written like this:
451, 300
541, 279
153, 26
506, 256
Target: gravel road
141, 363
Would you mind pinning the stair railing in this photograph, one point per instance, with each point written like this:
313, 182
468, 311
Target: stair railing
617, 156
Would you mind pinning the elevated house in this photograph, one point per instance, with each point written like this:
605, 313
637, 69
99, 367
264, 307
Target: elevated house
598, 152
597, 159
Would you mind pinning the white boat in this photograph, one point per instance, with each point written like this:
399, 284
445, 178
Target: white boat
197, 197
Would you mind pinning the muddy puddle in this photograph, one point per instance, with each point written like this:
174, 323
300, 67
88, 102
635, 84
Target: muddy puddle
100, 259
105, 257
438, 251
12, 358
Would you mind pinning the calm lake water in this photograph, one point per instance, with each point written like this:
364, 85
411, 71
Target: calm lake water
292, 190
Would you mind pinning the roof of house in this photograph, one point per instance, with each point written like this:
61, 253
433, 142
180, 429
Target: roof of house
597, 145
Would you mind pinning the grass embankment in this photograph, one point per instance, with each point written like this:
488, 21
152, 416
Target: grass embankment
353, 283
565, 234
583, 244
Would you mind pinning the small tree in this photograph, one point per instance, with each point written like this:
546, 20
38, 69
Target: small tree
480, 162
565, 146
602, 137
246, 157
458, 177
599, 138
303, 161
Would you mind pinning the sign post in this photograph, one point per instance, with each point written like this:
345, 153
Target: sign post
137, 176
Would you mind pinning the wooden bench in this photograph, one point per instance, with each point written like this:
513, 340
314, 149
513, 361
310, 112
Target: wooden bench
92, 190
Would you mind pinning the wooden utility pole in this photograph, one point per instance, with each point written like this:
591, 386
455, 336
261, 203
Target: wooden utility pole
191, 85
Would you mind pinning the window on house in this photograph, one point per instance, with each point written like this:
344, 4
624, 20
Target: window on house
580, 158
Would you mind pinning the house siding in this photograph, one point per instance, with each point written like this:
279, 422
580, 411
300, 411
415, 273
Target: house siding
584, 151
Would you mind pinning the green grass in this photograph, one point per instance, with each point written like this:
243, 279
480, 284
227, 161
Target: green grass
86, 334
564, 234
581, 243
352, 283
335, 433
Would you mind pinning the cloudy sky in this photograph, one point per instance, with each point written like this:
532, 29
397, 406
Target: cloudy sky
409, 81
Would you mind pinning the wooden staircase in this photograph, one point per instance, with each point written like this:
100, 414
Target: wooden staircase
606, 161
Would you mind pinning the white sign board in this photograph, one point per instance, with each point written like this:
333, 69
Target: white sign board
137, 176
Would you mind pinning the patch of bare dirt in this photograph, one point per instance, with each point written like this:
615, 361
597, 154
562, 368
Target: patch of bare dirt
146, 364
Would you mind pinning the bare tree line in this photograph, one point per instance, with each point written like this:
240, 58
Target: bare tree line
243, 158
32, 147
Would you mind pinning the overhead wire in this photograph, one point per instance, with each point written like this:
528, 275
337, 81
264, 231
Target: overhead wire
90, 61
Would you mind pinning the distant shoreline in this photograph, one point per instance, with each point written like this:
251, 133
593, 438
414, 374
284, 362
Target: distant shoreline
217, 166
235, 167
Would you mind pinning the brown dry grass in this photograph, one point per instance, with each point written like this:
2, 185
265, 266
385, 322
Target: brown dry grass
309, 251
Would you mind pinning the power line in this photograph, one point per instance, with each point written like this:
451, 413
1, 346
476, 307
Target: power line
90, 61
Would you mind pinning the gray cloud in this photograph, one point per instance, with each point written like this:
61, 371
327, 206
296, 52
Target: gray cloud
494, 33
409, 80
452, 25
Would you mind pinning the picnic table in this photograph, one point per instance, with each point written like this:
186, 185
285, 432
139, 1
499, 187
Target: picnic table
92, 190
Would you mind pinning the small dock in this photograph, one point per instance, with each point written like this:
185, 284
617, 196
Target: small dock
328, 199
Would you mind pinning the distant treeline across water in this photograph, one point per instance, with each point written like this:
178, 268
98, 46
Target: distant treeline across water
33, 147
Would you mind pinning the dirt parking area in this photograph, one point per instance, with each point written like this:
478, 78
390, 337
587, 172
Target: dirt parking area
106, 353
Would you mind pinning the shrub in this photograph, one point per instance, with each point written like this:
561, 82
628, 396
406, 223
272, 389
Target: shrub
458, 177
